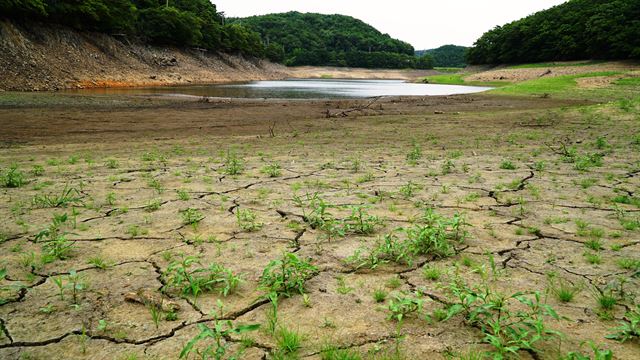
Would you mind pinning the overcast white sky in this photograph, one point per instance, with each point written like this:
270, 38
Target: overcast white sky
425, 24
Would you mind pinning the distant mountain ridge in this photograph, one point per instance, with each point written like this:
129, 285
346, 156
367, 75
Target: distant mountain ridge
447, 55
297, 39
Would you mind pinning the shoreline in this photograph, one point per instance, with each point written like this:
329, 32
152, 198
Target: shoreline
287, 73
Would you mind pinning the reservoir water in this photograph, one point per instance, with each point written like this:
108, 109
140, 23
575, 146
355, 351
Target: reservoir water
302, 89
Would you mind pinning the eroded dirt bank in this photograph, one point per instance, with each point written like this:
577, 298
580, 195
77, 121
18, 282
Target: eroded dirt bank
39, 57
311, 72
45, 57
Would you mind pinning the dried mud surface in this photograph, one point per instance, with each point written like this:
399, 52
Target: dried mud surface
534, 219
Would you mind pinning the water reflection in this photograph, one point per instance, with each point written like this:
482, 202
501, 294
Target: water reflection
303, 89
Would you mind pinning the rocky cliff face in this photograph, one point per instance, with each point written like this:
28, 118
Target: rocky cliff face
37, 57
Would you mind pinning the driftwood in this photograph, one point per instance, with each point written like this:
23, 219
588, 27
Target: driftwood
560, 147
271, 130
345, 113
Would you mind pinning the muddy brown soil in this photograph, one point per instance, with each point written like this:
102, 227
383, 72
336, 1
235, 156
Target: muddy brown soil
139, 162
140, 118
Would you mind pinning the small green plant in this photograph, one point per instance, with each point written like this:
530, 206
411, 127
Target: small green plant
102, 325
247, 220
539, 166
37, 170
368, 177
68, 196
74, 282
408, 190
110, 199
189, 277
315, 212
379, 295
156, 313
48, 309
431, 273
606, 299
437, 315
594, 244
507, 165
111, 163
356, 164
306, 301
629, 264
587, 183
415, 154
54, 239
435, 234
73, 159
360, 222
334, 353
629, 329
272, 170
403, 305
153, 205
183, 194
592, 258
83, 339
393, 282
77, 285
59, 282
432, 235
156, 185
219, 333
272, 313
289, 341
509, 323
287, 276
232, 164
585, 162
191, 217
12, 177
471, 197
99, 263
598, 354
342, 288
448, 167
563, 290
136, 230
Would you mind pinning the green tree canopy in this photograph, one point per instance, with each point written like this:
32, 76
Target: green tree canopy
575, 30
176, 22
447, 56
332, 40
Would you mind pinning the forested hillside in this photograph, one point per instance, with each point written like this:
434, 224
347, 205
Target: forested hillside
447, 56
185, 23
577, 29
332, 40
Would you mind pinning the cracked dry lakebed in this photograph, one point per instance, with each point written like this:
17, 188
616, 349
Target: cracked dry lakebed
138, 227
